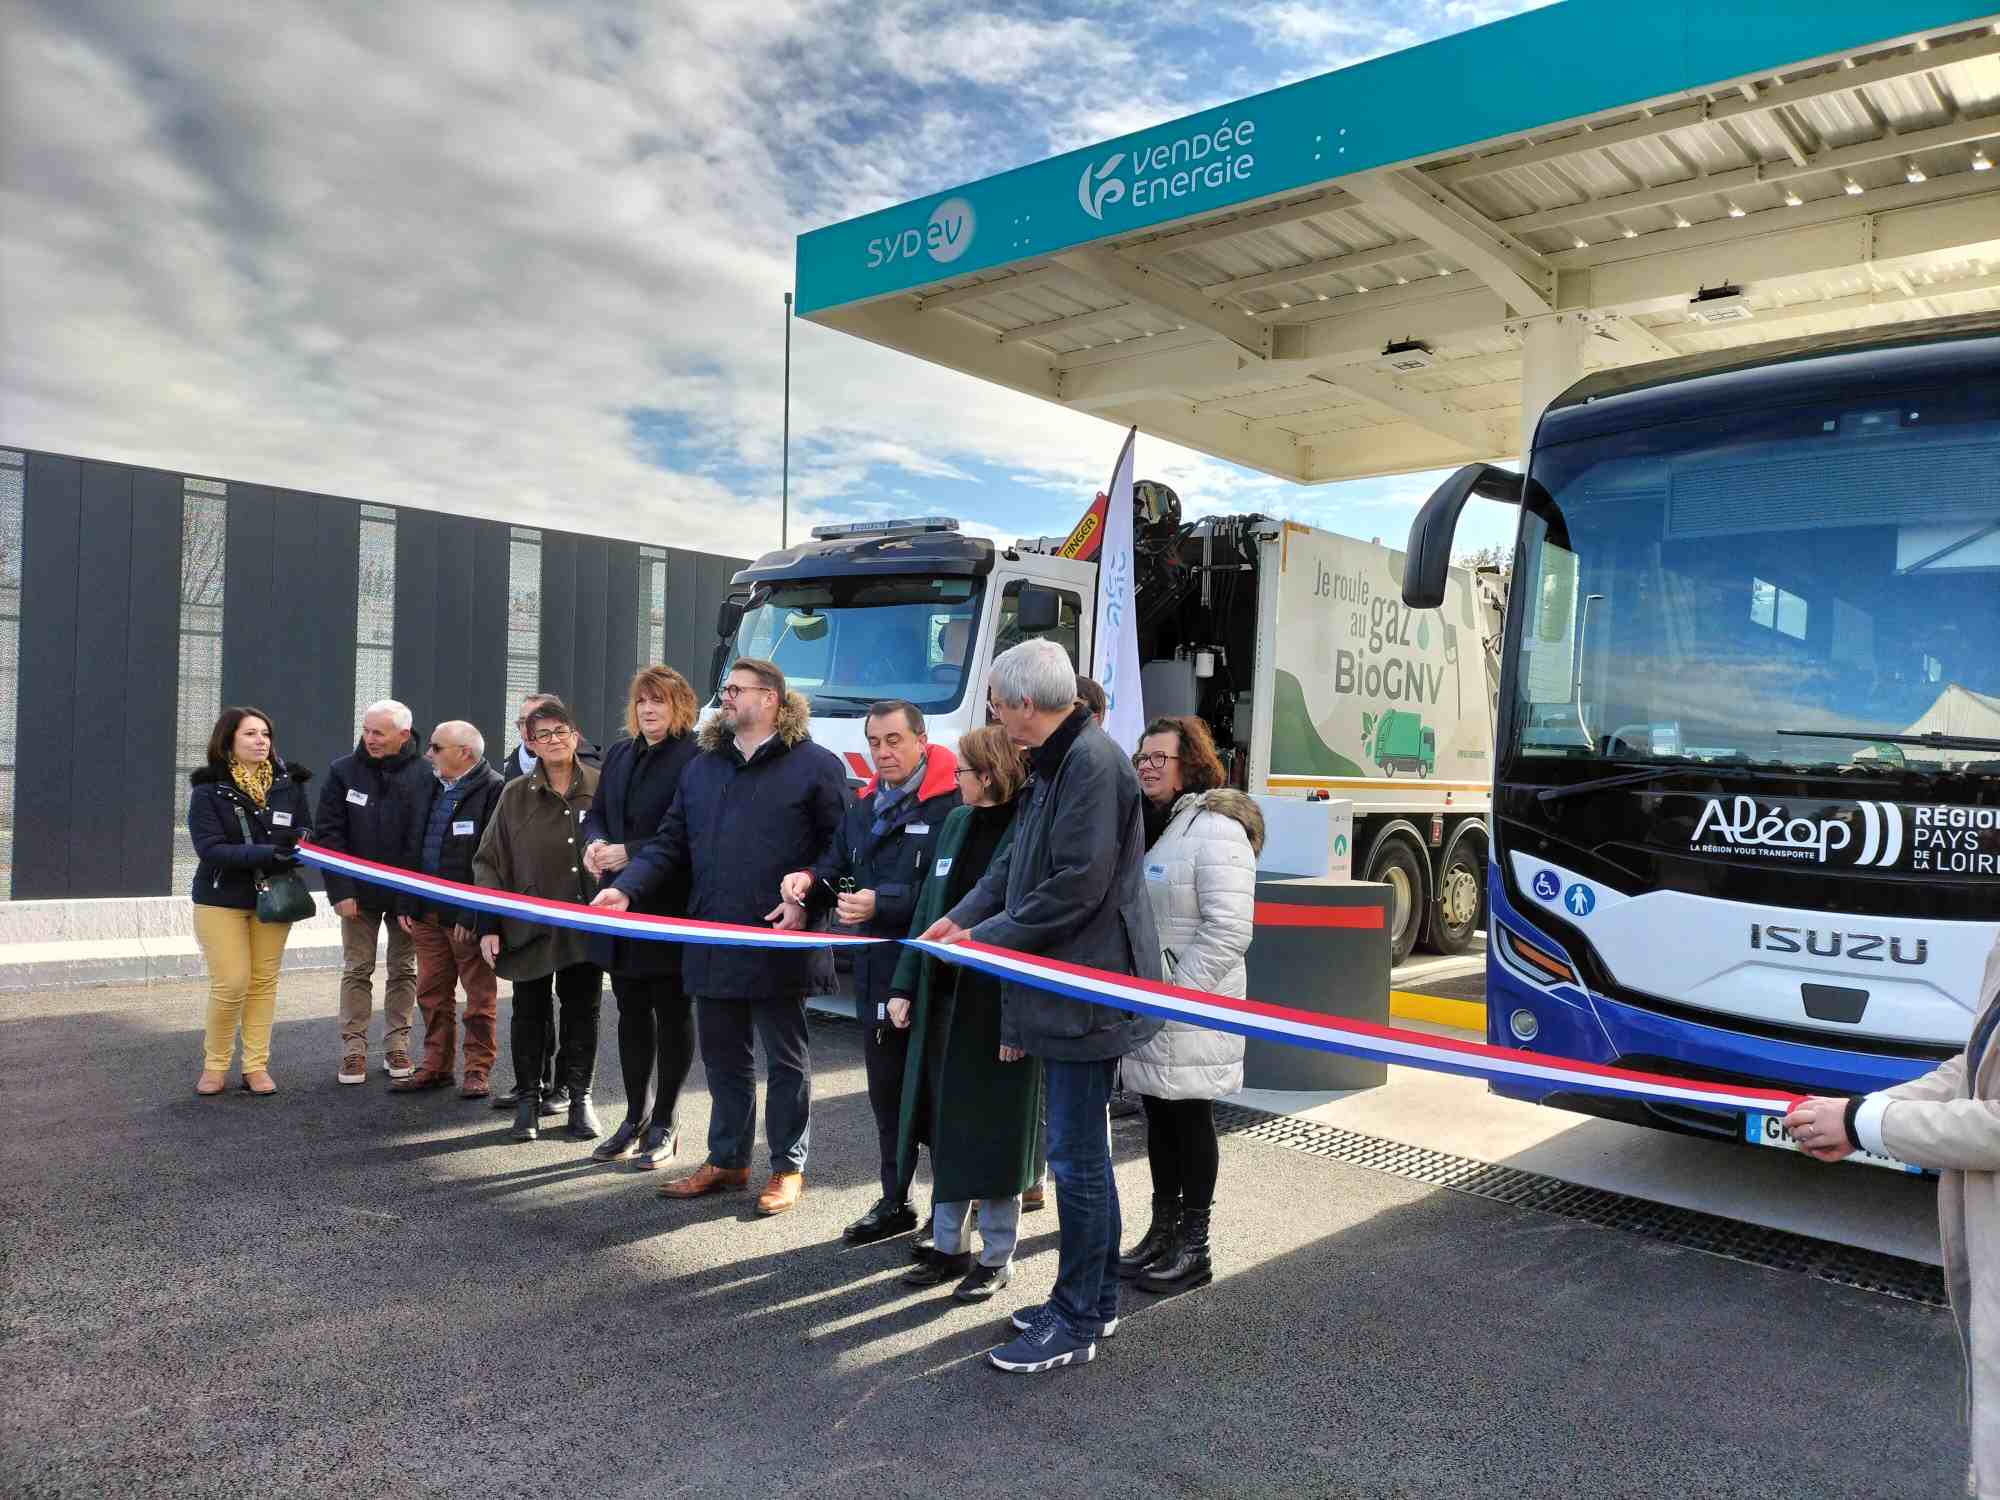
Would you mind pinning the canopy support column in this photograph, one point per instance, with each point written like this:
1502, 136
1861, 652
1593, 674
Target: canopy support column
1551, 362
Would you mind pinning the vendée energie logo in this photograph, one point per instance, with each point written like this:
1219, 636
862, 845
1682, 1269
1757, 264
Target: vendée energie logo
1168, 169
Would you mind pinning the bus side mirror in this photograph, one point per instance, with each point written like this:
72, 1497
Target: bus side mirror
728, 617
1429, 556
1039, 609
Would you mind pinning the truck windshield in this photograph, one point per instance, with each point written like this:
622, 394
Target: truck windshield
847, 642
1690, 590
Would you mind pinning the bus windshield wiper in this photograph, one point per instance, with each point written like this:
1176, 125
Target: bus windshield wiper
1653, 773
1931, 741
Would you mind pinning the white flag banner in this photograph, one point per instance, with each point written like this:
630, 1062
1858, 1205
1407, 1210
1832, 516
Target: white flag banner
1115, 640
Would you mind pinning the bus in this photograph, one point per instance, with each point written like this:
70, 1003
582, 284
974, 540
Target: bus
1746, 809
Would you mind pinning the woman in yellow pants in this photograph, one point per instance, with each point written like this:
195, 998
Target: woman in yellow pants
246, 814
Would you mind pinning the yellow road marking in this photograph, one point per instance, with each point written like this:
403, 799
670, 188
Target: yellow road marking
1467, 1015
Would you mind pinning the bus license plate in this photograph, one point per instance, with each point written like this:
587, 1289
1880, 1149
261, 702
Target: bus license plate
1769, 1130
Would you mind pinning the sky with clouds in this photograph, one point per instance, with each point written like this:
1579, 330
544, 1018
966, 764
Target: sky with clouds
527, 260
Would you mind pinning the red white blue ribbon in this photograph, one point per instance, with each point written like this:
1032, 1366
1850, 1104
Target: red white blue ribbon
624, 924
1250, 1018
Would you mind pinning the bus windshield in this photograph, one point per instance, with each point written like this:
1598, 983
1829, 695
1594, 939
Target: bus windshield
1724, 591
848, 642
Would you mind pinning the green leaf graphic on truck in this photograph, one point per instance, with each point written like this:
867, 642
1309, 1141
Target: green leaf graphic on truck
1296, 747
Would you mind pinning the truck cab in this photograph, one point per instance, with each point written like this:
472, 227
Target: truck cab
911, 609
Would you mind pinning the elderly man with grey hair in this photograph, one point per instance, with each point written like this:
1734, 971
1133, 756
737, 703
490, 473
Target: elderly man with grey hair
463, 793
372, 806
1070, 886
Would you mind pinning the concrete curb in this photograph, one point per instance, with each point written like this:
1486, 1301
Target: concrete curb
137, 940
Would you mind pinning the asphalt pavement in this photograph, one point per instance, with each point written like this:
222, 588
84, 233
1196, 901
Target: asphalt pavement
349, 1293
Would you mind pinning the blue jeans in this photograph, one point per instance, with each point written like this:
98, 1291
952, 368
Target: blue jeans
728, 1030
1086, 1292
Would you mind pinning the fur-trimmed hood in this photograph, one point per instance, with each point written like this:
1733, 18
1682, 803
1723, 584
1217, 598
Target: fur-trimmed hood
219, 775
794, 721
1227, 802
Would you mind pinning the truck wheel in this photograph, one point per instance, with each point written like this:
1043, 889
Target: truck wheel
1389, 769
1461, 886
1401, 868
1424, 771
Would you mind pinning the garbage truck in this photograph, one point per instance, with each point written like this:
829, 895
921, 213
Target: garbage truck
1292, 643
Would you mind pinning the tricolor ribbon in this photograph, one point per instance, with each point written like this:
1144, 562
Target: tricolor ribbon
1250, 1018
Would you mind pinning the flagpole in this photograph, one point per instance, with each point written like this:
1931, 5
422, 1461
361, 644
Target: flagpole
785, 491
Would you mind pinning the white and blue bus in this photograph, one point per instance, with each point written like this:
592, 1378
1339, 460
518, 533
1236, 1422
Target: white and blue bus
1746, 812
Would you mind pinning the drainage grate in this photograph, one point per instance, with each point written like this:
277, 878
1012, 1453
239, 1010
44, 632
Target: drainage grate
1846, 1265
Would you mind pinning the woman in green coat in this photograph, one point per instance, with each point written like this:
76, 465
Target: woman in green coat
974, 1101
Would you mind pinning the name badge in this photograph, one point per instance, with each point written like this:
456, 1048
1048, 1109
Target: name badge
462, 826
359, 799
281, 820
941, 866
1156, 872
918, 828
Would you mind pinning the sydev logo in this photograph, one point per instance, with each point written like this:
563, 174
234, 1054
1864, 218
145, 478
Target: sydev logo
944, 238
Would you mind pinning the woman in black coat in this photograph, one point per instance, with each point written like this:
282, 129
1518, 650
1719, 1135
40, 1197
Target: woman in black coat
246, 812
655, 1015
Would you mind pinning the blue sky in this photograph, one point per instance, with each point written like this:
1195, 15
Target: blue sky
528, 260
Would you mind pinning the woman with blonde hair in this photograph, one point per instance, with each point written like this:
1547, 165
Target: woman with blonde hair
246, 812
974, 1100
655, 1016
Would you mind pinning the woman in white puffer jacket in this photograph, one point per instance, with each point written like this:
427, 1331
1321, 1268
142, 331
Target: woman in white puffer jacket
1202, 842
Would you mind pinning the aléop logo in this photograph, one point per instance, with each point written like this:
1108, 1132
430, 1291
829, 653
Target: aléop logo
1168, 169
944, 238
1741, 825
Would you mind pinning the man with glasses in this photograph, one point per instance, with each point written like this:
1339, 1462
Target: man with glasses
882, 853
463, 792
521, 761
760, 802
1071, 886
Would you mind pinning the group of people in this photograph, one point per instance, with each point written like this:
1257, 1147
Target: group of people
1038, 834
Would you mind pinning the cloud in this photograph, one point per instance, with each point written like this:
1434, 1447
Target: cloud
527, 261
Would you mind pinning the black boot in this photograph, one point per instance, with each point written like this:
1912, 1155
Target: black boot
624, 1143
1158, 1244
1188, 1267
582, 1118
527, 1114
555, 1100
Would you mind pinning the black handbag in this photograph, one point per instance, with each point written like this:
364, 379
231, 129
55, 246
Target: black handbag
283, 897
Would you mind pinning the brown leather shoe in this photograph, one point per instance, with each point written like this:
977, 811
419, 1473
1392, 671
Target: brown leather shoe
474, 1087
782, 1193
422, 1079
706, 1178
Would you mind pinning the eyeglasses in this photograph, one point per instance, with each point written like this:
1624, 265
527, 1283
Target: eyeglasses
552, 736
736, 690
437, 749
1153, 760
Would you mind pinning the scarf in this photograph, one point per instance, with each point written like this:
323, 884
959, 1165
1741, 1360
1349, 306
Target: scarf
1158, 816
890, 799
253, 782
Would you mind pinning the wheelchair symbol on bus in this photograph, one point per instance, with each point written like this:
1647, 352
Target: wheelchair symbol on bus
1548, 885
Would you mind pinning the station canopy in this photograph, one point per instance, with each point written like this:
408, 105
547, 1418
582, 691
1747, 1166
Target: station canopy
1587, 186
